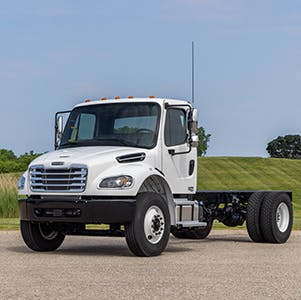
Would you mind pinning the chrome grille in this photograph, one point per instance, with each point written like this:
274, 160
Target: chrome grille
72, 179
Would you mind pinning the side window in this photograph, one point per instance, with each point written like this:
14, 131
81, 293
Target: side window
175, 132
84, 127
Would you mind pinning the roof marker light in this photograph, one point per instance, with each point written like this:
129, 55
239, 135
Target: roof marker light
87, 100
117, 97
103, 98
131, 97
152, 97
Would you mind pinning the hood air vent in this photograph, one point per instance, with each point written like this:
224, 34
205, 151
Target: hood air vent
131, 157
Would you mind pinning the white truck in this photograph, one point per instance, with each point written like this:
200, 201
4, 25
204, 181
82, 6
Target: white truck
131, 164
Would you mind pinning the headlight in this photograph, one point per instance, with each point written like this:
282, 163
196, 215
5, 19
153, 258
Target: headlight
122, 181
21, 183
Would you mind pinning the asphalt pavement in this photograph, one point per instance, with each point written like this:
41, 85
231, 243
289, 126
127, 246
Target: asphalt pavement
227, 265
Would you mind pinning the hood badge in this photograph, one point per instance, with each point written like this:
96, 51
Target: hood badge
57, 163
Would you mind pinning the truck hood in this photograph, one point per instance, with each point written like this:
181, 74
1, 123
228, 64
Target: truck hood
84, 155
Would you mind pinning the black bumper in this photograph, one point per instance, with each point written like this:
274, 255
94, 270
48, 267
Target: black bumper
106, 211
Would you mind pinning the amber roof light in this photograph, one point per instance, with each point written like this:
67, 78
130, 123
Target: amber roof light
152, 97
87, 100
117, 97
103, 98
131, 97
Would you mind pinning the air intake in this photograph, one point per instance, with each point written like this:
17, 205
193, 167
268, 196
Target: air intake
131, 158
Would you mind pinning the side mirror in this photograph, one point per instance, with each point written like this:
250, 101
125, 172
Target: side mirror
193, 120
59, 127
193, 127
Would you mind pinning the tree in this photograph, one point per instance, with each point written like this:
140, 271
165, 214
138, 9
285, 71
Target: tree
9, 162
203, 141
26, 158
288, 146
6, 155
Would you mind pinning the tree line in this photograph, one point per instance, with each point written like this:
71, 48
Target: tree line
288, 146
10, 162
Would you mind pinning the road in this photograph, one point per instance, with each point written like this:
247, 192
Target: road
227, 265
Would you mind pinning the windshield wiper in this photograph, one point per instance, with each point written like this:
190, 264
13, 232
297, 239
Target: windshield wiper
70, 143
120, 141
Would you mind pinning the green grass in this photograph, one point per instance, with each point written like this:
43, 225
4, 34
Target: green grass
240, 173
9, 223
214, 173
9, 195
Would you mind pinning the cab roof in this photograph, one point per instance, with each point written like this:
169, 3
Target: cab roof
160, 101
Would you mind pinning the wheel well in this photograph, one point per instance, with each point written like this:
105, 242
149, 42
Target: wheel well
158, 185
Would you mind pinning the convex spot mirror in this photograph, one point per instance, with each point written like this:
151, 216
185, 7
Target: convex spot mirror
194, 141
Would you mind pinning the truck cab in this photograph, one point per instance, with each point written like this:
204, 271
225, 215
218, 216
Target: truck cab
129, 164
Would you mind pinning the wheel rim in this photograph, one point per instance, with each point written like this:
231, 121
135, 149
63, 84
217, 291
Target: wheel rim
154, 224
47, 231
282, 217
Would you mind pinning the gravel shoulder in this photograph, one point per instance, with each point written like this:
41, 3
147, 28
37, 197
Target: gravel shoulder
227, 265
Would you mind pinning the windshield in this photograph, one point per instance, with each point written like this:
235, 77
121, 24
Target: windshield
118, 124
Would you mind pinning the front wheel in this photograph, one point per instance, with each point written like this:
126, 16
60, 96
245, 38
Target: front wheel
148, 233
41, 236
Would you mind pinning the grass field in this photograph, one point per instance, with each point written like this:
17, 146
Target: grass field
8, 196
215, 173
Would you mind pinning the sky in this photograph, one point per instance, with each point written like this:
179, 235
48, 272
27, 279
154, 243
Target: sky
54, 54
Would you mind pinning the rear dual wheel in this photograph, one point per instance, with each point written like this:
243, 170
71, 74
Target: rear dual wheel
269, 217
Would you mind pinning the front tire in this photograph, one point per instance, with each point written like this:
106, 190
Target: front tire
41, 236
148, 233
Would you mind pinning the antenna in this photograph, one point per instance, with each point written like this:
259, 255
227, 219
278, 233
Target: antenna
192, 72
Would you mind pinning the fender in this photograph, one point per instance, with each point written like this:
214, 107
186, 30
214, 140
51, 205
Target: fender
146, 178
139, 171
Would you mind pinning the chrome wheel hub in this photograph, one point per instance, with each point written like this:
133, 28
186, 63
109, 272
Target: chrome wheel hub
282, 217
154, 224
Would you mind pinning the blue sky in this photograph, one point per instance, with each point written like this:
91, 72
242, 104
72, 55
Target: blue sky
55, 54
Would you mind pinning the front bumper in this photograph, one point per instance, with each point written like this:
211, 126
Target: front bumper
106, 211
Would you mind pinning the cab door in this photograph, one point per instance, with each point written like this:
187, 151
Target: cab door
178, 157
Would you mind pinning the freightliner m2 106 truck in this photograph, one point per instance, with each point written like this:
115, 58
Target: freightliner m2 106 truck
131, 164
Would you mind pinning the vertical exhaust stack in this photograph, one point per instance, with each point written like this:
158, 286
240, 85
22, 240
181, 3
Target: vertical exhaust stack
192, 72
